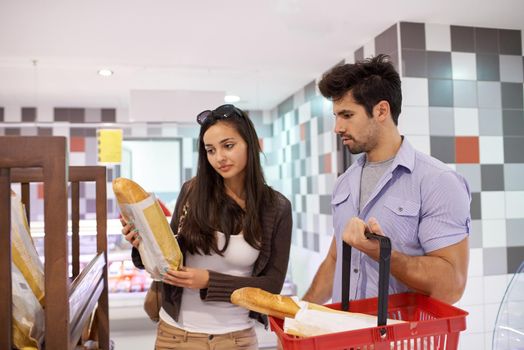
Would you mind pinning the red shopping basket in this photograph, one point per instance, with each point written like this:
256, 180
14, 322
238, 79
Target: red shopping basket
431, 324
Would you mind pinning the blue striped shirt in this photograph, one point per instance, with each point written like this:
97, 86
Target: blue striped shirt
421, 204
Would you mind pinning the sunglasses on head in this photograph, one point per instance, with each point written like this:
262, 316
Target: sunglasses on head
222, 112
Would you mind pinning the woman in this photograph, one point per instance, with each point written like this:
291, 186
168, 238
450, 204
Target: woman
234, 231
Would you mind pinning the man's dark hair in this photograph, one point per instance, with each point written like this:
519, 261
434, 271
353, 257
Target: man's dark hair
370, 81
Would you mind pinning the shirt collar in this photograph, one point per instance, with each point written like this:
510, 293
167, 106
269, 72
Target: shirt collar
405, 156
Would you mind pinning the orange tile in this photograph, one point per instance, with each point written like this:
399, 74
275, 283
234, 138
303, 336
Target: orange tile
261, 143
302, 132
327, 163
467, 149
40, 191
77, 144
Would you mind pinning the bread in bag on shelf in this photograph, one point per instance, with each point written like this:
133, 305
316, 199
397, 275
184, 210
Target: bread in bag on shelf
157, 238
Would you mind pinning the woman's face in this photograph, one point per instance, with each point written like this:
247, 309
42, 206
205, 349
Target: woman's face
226, 151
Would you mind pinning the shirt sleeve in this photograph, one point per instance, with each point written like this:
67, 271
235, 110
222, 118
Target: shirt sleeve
445, 212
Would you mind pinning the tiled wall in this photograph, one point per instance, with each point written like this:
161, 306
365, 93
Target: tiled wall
463, 104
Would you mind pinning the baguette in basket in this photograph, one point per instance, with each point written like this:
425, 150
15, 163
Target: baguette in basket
158, 248
302, 318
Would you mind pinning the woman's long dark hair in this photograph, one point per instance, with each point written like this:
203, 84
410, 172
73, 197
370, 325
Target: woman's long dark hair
211, 209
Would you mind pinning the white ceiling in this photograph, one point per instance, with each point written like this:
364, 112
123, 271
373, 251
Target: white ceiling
261, 50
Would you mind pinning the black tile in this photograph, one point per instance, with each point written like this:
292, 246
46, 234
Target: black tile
1, 114
77, 115
487, 40
414, 63
12, 131
513, 122
325, 204
285, 106
108, 115
90, 132
475, 206
462, 39
359, 54
440, 92
412, 35
28, 114
513, 147
316, 242
488, 67
61, 114
492, 177
41, 131
443, 148
304, 239
515, 257
310, 91
387, 41
439, 64
512, 95
510, 42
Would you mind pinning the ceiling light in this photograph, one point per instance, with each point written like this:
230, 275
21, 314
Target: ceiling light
105, 72
231, 98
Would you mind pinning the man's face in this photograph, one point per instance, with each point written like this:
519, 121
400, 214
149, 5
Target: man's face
357, 130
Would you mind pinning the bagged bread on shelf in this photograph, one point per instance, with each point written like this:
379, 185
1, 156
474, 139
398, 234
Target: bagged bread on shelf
158, 246
302, 318
24, 253
28, 315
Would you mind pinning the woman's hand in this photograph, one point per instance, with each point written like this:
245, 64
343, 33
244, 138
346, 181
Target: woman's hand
130, 233
187, 277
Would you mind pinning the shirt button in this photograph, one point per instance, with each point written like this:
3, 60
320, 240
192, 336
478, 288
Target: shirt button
211, 336
355, 270
400, 209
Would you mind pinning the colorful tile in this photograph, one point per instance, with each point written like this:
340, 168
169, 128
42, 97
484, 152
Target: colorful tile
466, 149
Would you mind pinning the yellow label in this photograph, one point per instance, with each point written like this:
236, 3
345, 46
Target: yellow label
109, 145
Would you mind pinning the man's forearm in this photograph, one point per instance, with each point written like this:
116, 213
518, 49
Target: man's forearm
322, 286
436, 276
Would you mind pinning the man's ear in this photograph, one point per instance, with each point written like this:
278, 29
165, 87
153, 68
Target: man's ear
381, 110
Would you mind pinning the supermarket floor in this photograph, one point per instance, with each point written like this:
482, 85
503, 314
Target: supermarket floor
131, 329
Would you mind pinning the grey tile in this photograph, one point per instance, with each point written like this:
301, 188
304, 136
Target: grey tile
440, 92
316, 106
2, 131
511, 68
471, 173
12, 131
475, 234
465, 93
43, 131
513, 147
359, 54
29, 131
316, 242
387, 41
515, 258
91, 205
515, 232
495, 261
93, 115
462, 39
492, 177
475, 206
512, 95
90, 132
514, 178
305, 240
489, 94
441, 121
490, 122
325, 204
28, 114
77, 131
310, 91
439, 64
61, 114
1, 114
108, 115
285, 106
488, 67
412, 35
513, 122
487, 40
443, 148
510, 42
414, 63
154, 131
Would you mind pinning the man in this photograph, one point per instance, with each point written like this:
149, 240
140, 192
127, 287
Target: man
421, 204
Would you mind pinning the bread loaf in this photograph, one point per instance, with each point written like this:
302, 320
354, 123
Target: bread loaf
256, 299
157, 237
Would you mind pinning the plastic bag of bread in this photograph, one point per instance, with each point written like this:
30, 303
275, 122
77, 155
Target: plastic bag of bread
302, 318
24, 253
158, 246
28, 315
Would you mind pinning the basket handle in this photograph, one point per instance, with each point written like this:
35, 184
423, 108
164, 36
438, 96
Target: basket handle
383, 283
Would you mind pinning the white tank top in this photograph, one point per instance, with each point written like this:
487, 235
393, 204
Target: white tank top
216, 317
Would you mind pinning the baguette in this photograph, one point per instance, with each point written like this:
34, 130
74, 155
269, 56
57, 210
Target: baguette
128, 192
256, 299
